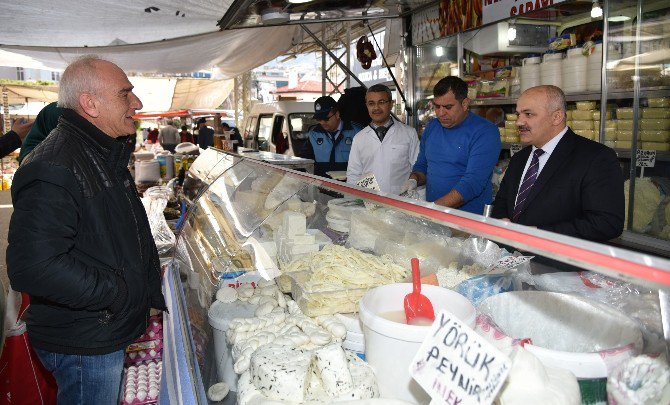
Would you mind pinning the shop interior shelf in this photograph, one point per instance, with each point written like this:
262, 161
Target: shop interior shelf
662, 91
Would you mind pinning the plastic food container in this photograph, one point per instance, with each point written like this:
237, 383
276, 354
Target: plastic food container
654, 124
551, 69
529, 73
577, 124
626, 125
661, 102
584, 115
390, 346
574, 67
323, 302
656, 113
655, 136
567, 332
662, 146
585, 105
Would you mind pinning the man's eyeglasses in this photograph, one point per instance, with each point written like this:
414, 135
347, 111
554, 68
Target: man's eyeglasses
327, 118
380, 103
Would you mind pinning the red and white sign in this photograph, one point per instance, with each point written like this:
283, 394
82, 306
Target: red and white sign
496, 10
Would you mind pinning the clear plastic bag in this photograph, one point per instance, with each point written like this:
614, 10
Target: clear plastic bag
155, 200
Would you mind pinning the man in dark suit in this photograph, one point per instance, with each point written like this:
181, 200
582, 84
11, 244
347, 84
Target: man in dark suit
561, 182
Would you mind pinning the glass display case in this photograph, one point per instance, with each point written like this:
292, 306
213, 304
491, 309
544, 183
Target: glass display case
250, 221
564, 46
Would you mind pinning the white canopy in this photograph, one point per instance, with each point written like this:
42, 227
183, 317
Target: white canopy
172, 37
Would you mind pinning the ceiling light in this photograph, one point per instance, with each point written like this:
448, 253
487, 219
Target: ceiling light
511, 32
439, 51
596, 11
619, 18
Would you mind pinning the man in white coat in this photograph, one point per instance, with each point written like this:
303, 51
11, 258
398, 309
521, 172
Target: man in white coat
386, 148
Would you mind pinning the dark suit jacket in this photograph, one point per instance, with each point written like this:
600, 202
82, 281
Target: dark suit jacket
579, 192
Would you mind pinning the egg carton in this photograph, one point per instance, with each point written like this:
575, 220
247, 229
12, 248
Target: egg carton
141, 383
154, 330
143, 351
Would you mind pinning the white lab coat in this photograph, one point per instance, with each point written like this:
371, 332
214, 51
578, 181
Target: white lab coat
390, 161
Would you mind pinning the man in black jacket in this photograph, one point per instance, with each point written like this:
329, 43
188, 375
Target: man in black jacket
79, 240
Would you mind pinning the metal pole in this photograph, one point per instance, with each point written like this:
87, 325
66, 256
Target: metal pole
332, 55
636, 108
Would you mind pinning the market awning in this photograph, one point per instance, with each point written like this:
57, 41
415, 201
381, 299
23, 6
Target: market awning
19, 94
180, 113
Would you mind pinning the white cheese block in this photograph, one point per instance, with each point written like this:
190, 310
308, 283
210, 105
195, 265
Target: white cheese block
306, 239
281, 372
294, 223
529, 382
302, 249
332, 367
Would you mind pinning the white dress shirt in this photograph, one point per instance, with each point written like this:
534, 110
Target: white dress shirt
390, 161
548, 149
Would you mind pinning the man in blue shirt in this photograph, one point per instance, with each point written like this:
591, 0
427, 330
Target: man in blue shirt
205, 134
458, 152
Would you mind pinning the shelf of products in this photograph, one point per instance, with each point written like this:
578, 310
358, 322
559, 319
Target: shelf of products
274, 261
633, 44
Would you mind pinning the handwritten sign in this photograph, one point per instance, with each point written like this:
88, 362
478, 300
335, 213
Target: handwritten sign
508, 263
645, 158
456, 365
369, 181
514, 148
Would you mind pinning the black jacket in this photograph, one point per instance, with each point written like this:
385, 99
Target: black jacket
579, 192
80, 243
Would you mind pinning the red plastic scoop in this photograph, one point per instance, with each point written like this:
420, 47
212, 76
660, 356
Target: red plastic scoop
418, 308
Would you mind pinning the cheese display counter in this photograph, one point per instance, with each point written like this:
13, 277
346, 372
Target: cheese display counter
273, 267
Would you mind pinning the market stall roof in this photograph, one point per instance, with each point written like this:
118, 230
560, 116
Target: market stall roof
161, 36
19, 94
180, 113
169, 94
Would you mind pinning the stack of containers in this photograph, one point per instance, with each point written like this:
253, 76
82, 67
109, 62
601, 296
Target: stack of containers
582, 119
511, 132
529, 72
594, 66
574, 66
551, 69
655, 125
624, 124
355, 341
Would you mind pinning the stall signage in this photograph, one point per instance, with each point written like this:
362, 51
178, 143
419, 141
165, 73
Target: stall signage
508, 263
369, 181
456, 365
514, 148
496, 10
645, 158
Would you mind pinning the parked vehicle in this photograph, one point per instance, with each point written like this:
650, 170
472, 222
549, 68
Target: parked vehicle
279, 127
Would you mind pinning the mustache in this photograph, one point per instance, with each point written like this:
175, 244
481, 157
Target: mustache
523, 128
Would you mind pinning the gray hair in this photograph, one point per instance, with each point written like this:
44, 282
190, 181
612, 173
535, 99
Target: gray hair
379, 88
555, 98
79, 77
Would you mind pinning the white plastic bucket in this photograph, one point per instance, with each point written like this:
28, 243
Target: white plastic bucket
574, 71
529, 73
219, 316
551, 69
594, 72
390, 346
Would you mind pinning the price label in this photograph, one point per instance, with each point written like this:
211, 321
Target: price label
456, 365
514, 148
369, 181
645, 158
508, 263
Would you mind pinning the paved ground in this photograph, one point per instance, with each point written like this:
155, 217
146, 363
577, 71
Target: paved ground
5, 214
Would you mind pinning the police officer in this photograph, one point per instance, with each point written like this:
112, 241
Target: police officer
329, 141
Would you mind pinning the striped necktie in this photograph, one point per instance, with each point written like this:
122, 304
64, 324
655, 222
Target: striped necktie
527, 184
